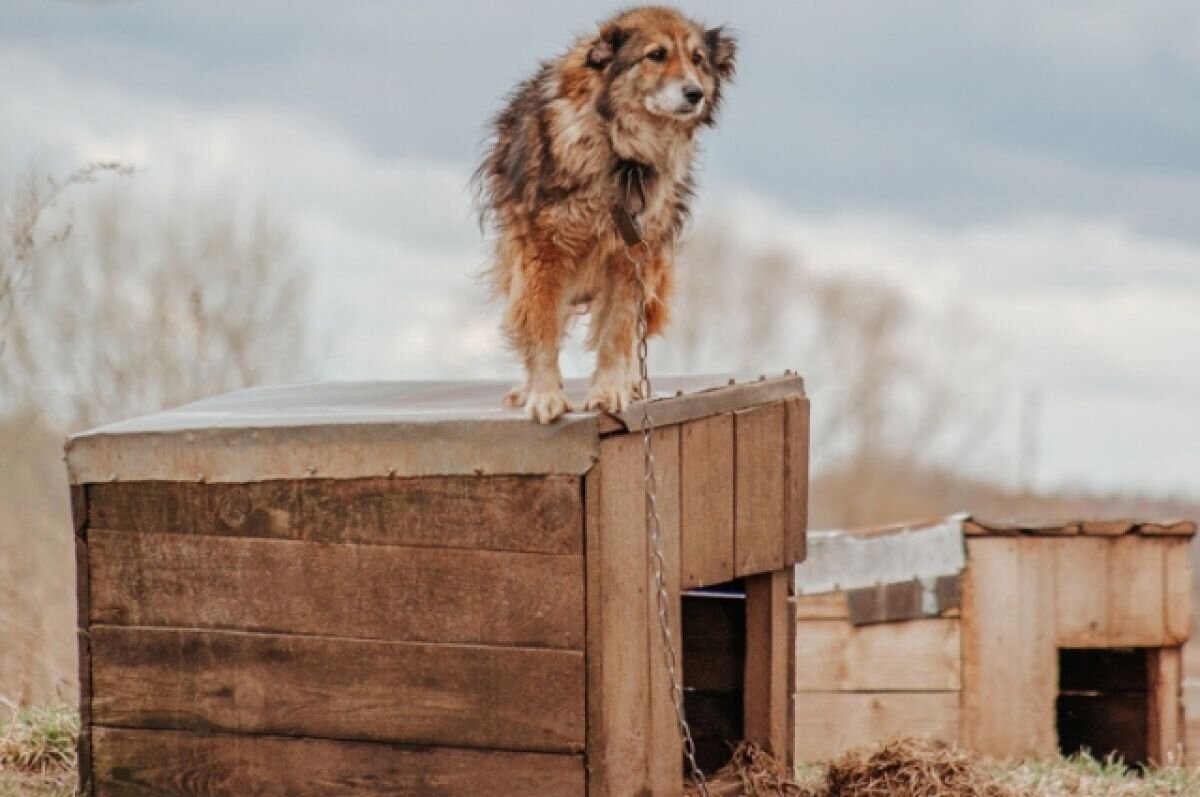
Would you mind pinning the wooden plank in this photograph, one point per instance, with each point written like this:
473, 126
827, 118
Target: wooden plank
1009, 647
706, 484
913, 656
759, 530
821, 606
1136, 615
617, 622
140, 763
83, 744
1177, 595
796, 436
1106, 528
466, 696
830, 723
535, 514
1080, 588
1168, 528
1191, 720
664, 747
373, 592
1165, 732
770, 636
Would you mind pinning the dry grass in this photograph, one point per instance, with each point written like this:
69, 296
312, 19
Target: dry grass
37, 753
913, 768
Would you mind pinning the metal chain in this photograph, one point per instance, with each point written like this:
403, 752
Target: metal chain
654, 531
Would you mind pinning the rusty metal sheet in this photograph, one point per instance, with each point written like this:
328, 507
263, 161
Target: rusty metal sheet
363, 429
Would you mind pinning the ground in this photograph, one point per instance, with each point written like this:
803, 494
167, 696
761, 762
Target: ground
37, 759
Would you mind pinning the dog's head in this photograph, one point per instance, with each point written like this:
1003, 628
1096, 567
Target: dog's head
658, 62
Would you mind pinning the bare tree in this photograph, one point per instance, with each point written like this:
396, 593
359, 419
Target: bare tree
139, 307
896, 388
145, 307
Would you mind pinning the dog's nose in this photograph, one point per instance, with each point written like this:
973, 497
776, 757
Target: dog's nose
693, 94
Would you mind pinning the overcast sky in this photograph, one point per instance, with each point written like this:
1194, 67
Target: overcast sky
1036, 164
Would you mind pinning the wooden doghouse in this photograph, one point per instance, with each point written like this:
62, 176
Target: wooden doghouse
402, 589
1009, 639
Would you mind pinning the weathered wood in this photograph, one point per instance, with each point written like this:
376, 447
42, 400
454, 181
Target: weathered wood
796, 442
759, 523
769, 649
907, 600
714, 642
83, 745
830, 723
665, 749
1009, 647
821, 606
535, 514
1135, 592
618, 630
466, 696
1080, 586
1191, 718
1177, 597
140, 763
913, 656
1106, 528
1165, 733
1168, 528
706, 483
373, 592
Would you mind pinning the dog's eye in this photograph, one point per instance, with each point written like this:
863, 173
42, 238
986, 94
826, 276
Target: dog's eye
657, 54
697, 58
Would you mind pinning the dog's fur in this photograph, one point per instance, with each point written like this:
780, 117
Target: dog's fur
614, 104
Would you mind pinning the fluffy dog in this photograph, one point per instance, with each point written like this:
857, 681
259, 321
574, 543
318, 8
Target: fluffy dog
608, 128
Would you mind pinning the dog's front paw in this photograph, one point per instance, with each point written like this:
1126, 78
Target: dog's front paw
609, 397
516, 397
544, 406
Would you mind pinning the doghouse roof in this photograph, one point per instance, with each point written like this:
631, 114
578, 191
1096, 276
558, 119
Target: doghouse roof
364, 429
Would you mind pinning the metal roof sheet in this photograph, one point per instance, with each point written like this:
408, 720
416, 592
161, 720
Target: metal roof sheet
361, 429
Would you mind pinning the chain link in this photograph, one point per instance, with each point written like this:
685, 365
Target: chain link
654, 532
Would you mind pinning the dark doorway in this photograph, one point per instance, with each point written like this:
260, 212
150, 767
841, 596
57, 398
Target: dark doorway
1104, 703
714, 665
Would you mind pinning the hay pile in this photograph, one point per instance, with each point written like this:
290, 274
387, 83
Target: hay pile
903, 768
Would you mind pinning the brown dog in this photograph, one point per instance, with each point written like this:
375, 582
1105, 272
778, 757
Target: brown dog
608, 127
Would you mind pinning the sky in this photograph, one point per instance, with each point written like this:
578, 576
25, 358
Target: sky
1033, 166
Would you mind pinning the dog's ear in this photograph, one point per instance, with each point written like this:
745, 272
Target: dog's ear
604, 48
722, 50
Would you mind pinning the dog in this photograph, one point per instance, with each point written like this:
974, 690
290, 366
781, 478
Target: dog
598, 141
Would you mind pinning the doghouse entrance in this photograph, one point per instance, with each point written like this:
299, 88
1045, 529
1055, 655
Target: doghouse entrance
714, 665
1104, 703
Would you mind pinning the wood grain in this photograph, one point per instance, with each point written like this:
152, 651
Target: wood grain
759, 524
830, 723
373, 592
536, 514
1009, 647
769, 650
618, 652
1177, 596
913, 656
468, 696
796, 435
1080, 587
706, 483
821, 606
1135, 592
140, 763
1165, 733
83, 744
665, 749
